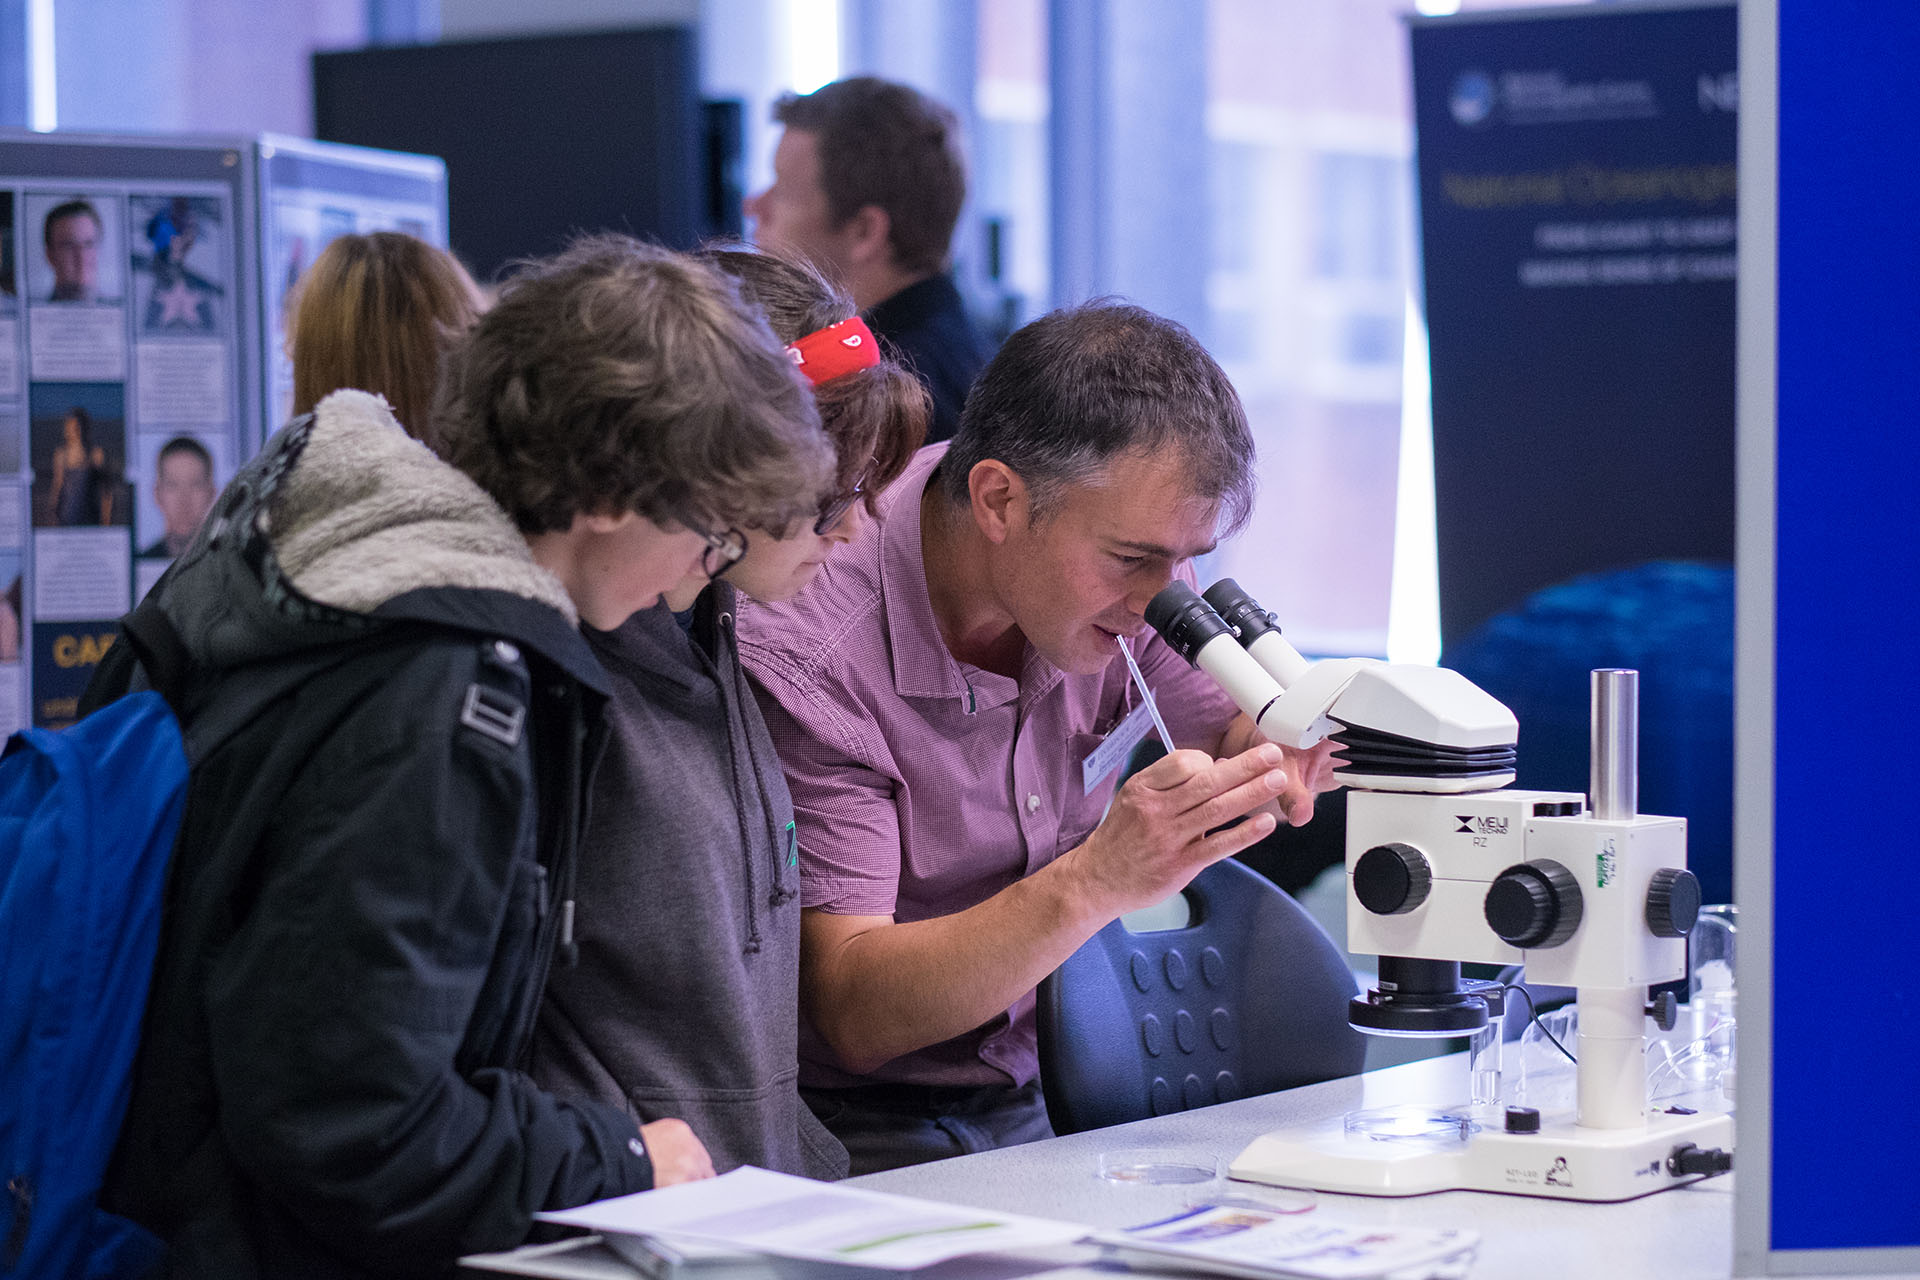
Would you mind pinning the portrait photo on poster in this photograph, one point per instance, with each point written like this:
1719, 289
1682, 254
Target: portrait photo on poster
176, 476
78, 440
12, 593
179, 263
73, 247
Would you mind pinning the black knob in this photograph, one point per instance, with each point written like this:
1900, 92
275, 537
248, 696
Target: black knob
1534, 905
1665, 1010
1673, 903
1523, 1120
1392, 879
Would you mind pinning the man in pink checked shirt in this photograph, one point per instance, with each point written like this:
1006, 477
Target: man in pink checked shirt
934, 694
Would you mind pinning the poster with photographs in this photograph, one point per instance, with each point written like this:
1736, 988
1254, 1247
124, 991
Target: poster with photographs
175, 479
78, 438
179, 264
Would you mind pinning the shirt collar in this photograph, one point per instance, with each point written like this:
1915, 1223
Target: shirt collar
923, 666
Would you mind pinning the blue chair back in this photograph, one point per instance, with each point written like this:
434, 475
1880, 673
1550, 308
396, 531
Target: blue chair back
1251, 996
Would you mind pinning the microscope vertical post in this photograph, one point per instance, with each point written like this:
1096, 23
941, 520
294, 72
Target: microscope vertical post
1613, 756
1613, 1071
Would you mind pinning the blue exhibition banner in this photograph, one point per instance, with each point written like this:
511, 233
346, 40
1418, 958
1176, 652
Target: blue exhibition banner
1577, 209
1845, 1019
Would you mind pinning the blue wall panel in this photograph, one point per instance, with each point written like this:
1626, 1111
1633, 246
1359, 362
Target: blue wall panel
1847, 682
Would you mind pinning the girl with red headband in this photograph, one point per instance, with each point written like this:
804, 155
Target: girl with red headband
684, 1003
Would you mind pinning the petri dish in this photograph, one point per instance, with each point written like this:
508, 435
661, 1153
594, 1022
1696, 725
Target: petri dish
1159, 1167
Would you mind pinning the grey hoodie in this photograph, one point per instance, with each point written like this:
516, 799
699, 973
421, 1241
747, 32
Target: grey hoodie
685, 1000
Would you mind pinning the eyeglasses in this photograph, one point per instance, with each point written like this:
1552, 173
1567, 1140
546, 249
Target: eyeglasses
723, 549
836, 506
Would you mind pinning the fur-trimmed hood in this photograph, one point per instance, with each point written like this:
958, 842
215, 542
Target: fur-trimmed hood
344, 522
370, 514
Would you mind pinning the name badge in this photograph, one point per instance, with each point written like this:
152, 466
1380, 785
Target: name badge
1115, 748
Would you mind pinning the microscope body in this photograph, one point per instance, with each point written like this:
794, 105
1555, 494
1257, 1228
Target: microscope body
1468, 841
1530, 878
1446, 864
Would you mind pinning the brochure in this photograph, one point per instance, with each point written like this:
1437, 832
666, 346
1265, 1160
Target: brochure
759, 1211
1232, 1240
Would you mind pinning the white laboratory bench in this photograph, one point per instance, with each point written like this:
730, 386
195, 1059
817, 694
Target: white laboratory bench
1681, 1234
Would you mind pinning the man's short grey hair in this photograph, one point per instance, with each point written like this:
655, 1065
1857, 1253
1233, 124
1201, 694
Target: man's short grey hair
1078, 388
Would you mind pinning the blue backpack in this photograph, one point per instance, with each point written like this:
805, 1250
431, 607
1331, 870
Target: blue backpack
88, 819
87, 823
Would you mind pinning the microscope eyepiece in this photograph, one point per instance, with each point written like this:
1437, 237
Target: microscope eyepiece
1241, 611
1185, 621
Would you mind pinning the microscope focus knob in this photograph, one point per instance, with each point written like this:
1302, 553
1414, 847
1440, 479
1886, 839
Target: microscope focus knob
1673, 902
1392, 879
1534, 905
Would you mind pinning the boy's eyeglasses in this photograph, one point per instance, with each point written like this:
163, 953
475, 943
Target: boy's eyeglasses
723, 549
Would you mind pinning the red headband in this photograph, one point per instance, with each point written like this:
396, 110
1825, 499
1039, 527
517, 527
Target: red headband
839, 348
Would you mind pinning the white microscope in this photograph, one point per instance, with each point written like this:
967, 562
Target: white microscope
1444, 866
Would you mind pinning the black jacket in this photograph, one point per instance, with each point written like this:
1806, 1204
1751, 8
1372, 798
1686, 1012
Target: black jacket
367, 888
926, 328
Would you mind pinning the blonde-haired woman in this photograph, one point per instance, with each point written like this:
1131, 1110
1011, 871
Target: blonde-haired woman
374, 313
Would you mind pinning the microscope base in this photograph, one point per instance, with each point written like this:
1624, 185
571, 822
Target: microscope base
1563, 1161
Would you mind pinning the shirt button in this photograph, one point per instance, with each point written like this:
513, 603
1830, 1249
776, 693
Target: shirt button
1033, 803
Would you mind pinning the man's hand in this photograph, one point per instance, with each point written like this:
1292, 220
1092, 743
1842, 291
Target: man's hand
1155, 839
1309, 772
677, 1155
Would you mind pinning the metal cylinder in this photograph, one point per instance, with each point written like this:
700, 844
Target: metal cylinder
1614, 747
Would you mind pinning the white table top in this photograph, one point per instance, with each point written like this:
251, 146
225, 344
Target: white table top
1682, 1234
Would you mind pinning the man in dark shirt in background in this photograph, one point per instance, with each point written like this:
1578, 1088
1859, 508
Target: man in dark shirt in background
867, 184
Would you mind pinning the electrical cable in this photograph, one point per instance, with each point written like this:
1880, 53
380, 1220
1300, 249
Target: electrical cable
1533, 1015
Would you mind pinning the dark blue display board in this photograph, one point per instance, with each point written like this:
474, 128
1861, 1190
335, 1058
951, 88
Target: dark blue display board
1847, 645
1577, 208
1577, 226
